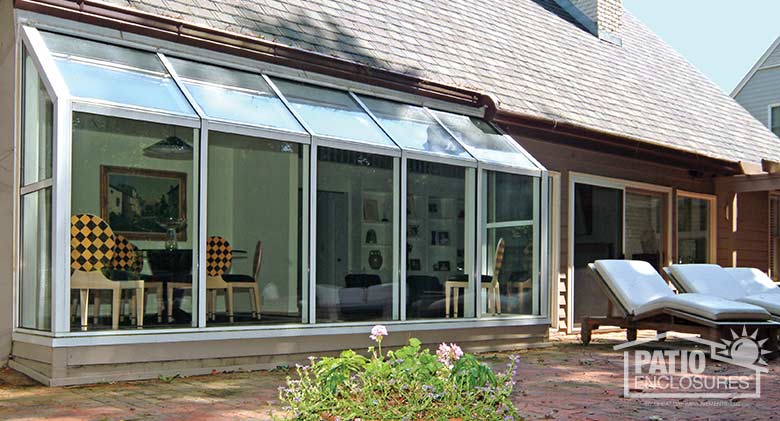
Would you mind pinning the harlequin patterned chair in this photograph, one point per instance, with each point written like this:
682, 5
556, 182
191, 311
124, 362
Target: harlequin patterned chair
92, 247
219, 260
490, 283
126, 265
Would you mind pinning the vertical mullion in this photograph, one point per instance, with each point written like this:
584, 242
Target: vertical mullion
401, 248
396, 239
481, 235
305, 229
313, 232
200, 234
61, 170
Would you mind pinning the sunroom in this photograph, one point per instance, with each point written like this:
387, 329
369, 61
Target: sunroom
161, 195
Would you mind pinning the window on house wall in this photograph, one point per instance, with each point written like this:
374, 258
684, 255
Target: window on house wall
774, 120
35, 278
133, 223
774, 237
694, 225
260, 240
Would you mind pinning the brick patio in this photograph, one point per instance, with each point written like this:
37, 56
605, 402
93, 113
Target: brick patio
565, 381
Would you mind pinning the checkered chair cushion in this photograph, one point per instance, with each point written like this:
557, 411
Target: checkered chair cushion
219, 256
91, 243
499, 258
126, 256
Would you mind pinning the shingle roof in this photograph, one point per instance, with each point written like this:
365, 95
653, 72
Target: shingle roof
530, 54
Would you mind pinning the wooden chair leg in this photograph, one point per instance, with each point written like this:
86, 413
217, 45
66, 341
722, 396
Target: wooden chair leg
447, 301
456, 301
96, 308
133, 306
497, 298
256, 296
159, 300
229, 293
139, 294
170, 304
116, 299
84, 308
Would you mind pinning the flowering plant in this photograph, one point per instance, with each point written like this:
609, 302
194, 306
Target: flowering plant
409, 383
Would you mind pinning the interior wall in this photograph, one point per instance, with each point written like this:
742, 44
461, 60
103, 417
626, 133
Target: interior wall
8, 96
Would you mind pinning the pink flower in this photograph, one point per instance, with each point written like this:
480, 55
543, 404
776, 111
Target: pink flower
448, 354
378, 332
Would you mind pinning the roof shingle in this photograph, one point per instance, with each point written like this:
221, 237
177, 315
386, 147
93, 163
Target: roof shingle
530, 54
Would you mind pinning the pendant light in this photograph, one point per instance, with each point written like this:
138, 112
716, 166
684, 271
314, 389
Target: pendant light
172, 147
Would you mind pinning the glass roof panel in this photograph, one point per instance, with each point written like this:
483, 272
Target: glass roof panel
333, 113
413, 128
484, 142
118, 75
234, 95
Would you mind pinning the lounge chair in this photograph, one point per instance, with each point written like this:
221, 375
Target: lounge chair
746, 285
641, 299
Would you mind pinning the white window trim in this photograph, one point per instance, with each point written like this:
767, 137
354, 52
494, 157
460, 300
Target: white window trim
713, 200
769, 116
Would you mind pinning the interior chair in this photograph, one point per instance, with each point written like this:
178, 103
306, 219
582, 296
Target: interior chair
640, 299
92, 246
746, 285
126, 265
489, 282
219, 260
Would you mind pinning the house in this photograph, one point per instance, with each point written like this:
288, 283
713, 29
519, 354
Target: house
444, 168
759, 93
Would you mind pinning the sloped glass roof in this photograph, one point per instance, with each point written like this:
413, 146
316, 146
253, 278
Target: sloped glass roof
484, 142
116, 75
234, 95
332, 113
413, 128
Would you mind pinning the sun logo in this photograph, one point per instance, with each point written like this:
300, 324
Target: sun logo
745, 350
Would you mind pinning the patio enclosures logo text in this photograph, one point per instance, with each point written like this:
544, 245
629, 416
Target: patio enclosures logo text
733, 371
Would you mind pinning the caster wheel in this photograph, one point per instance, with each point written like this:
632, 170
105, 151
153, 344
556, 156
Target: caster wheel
631, 335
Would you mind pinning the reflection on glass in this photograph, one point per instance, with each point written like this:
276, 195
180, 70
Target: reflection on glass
35, 270
355, 236
119, 75
122, 204
510, 273
483, 141
38, 117
413, 128
233, 95
254, 206
644, 227
436, 242
330, 112
693, 230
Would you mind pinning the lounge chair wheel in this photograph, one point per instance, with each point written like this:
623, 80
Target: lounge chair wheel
659, 332
585, 336
630, 335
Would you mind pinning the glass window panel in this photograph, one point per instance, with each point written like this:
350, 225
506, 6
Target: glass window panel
693, 230
512, 219
775, 121
38, 120
645, 221
355, 253
436, 241
233, 95
331, 112
413, 128
483, 141
140, 180
264, 234
35, 271
115, 74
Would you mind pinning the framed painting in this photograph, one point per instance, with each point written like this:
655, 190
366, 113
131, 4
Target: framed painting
138, 202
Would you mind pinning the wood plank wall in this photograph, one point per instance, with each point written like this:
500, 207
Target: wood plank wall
746, 242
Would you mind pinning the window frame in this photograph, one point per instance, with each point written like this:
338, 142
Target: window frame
712, 252
770, 121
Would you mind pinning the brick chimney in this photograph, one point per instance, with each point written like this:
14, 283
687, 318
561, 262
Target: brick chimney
603, 18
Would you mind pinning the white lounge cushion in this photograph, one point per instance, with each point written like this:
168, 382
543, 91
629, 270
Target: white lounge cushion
706, 306
707, 279
634, 282
641, 290
767, 300
753, 281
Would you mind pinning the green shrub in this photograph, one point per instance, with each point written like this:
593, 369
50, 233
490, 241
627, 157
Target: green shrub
410, 383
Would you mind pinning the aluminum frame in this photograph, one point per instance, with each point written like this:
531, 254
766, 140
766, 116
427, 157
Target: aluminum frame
66, 105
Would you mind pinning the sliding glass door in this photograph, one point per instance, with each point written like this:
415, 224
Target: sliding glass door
646, 220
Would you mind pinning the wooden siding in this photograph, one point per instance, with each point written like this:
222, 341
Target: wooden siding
743, 241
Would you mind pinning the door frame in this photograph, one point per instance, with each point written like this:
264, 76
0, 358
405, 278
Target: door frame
619, 184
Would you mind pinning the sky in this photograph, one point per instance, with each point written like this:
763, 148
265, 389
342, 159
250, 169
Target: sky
723, 38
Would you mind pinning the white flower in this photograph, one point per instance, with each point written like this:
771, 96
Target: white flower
378, 332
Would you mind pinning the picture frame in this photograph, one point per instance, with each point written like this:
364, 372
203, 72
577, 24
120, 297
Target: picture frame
414, 264
413, 231
443, 238
370, 210
444, 265
136, 202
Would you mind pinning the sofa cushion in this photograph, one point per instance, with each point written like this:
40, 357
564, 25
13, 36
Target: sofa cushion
707, 279
634, 282
707, 306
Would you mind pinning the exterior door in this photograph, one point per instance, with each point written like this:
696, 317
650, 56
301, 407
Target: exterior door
598, 234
